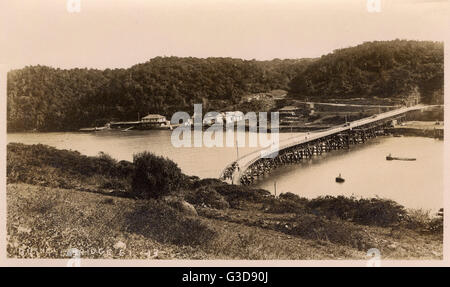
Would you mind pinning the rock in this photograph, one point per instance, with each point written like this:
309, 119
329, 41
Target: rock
187, 208
120, 245
181, 205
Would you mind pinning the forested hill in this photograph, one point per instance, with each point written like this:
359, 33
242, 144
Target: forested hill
49, 99
376, 69
45, 98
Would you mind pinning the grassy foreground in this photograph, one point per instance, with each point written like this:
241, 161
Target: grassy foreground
59, 200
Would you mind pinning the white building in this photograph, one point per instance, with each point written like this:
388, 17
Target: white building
154, 118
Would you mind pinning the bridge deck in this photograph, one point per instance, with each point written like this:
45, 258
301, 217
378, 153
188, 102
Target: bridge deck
245, 161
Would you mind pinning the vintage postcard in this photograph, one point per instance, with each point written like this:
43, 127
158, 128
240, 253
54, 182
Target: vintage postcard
224, 133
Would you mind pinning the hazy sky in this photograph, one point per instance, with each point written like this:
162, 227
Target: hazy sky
113, 33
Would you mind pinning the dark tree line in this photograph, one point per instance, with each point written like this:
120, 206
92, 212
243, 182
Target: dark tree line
49, 99
386, 69
45, 98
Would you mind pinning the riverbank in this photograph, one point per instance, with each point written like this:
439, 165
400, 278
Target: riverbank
57, 200
432, 129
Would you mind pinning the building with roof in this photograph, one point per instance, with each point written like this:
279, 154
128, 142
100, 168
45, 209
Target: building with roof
154, 118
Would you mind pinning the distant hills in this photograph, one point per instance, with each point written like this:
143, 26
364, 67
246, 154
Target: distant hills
387, 69
49, 99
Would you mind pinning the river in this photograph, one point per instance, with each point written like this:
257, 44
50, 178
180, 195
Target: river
414, 184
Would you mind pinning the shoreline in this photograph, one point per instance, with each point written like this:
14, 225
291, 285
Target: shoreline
426, 129
431, 129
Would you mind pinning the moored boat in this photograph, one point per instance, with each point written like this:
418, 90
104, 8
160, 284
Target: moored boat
340, 179
390, 157
94, 129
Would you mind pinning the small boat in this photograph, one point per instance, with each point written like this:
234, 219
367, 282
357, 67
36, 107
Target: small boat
95, 129
340, 179
127, 129
390, 157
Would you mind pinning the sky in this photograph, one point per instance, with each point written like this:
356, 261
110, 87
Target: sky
121, 33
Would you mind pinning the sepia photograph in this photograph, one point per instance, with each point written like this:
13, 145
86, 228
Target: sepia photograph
256, 130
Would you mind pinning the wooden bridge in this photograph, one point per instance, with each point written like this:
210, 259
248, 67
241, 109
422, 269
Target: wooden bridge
246, 169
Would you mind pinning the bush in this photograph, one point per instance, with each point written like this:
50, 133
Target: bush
114, 184
236, 195
48, 166
207, 196
436, 225
318, 228
109, 160
420, 220
196, 182
290, 196
125, 169
287, 203
155, 176
374, 211
157, 220
417, 219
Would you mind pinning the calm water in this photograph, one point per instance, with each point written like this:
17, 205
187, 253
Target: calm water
364, 167
367, 173
203, 162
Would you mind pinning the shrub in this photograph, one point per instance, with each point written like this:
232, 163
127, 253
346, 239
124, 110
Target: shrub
421, 221
48, 166
105, 157
125, 169
154, 176
374, 211
318, 228
114, 184
234, 194
290, 196
417, 219
196, 182
157, 220
377, 211
207, 196
287, 203
436, 225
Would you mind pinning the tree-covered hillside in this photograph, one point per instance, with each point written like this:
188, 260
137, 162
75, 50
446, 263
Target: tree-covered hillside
376, 69
45, 98
49, 99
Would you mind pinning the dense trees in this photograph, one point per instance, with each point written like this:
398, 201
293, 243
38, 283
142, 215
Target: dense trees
376, 69
45, 98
